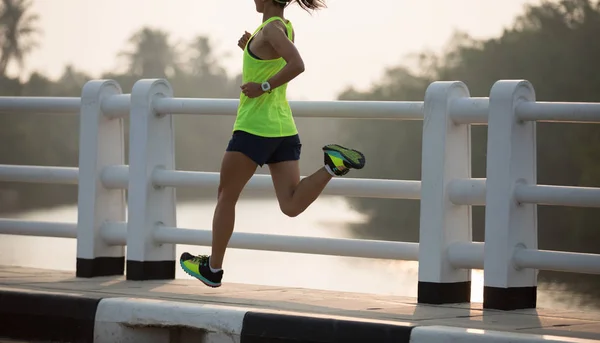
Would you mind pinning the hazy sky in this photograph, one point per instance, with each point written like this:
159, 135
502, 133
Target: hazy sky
351, 42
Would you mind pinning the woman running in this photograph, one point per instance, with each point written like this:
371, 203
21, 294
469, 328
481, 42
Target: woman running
265, 133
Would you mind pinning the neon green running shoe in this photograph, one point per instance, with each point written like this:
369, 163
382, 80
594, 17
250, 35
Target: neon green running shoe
340, 159
197, 266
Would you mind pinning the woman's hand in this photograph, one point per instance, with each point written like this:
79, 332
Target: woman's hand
244, 40
252, 89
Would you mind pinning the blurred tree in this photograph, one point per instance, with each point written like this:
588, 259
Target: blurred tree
203, 60
17, 31
548, 35
551, 45
37, 139
151, 55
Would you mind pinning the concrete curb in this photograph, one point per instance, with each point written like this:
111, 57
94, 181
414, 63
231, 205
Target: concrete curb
447, 334
148, 321
45, 316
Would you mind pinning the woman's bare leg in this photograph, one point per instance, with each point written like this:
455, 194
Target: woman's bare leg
295, 195
236, 170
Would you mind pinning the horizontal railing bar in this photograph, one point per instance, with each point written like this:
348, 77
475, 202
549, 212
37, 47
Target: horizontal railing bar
39, 174
38, 228
295, 244
558, 195
367, 188
115, 177
566, 112
116, 106
40, 105
466, 255
472, 192
558, 261
114, 233
467, 191
470, 110
400, 110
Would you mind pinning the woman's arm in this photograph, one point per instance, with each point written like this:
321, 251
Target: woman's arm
275, 34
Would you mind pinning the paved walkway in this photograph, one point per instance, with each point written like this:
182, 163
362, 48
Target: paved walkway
312, 302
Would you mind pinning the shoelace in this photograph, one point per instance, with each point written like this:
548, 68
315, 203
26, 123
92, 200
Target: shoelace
201, 260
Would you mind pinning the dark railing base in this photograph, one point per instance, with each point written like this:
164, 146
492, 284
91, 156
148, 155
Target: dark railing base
100, 266
444, 293
150, 270
507, 299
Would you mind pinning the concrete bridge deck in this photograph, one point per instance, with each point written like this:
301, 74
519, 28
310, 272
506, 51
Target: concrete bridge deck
306, 302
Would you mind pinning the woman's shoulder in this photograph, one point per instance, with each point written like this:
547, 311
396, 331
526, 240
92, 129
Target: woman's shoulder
279, 24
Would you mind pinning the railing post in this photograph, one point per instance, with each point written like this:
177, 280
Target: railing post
446, 156
511, 159
101, 144
151, 146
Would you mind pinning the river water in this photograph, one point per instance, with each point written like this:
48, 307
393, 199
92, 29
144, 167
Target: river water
327, 217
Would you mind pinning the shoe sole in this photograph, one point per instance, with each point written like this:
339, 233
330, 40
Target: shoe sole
199, 277
349, 160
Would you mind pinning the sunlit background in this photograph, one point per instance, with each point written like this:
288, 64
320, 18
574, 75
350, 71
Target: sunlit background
353, 50
349, 43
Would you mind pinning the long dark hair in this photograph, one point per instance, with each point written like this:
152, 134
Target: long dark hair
307, 5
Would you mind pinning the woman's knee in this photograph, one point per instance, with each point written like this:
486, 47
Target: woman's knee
290, 209
228, 194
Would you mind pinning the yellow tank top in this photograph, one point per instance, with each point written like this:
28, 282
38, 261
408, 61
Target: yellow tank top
268, 115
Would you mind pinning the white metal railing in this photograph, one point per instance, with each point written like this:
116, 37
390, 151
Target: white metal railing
406, 110
446, 252
40, 105
38, 228
40, 174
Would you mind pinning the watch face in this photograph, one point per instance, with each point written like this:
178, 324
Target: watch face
265, 86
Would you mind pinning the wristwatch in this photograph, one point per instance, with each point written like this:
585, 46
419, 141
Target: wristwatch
266, 87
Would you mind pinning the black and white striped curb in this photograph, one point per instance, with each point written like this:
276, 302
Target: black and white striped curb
41, 316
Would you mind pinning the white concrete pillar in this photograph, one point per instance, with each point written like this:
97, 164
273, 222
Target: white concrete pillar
151, 146
511, 159
101, 144
446, 156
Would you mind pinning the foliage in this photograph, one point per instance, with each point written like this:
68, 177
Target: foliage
18, 31
553, 46
193, 69
38, 139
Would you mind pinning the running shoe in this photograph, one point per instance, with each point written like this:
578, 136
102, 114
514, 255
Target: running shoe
197, 266
340, 159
